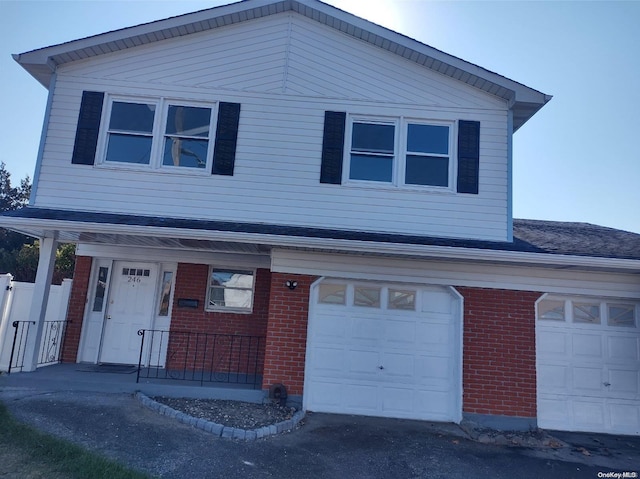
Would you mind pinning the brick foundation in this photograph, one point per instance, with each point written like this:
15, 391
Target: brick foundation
75, 312
499, 352
287, 332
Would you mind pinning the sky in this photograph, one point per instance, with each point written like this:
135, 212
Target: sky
577, 159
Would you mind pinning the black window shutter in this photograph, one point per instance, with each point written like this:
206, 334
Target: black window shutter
332, 147
86, 142
468, 156
224, 152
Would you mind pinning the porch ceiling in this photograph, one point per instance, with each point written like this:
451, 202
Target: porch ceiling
90, 233
156, 242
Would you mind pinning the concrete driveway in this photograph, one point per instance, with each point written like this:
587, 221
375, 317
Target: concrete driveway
326, 446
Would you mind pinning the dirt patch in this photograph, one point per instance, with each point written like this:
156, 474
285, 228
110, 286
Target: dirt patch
238, 414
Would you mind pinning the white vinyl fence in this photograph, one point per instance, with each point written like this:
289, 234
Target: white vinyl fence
15, 303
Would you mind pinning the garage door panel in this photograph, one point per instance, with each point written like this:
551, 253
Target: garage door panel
589, 414
587, 346
363, 362
587, 380
397, 401
438, 302
433, 369
623, 348
365, 330
553, 343
325, 395
332, 330
625, 417
624, 381
434, 337
398, 366
553, 412
555, 378
436, 403
399, 334
327, 361
361, 397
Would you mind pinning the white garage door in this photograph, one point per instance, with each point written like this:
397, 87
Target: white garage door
588, 355
384, 350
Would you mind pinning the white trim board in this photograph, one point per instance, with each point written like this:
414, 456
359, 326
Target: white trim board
517, 277
173, 256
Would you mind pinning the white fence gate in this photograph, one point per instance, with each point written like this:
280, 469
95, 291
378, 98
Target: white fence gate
15, 303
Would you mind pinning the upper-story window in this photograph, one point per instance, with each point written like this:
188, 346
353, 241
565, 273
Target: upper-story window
400, 152
372, 151
159, 134
186, 137
130, 135
427, 155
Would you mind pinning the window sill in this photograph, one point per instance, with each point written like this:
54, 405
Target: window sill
400, 188
228, 310
150, 169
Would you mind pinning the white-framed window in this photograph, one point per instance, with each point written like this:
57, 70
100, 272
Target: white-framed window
427, 156
159, 134
596, 312
552, 310
373, 151
330, 293
130, 132
400, 152
230, 290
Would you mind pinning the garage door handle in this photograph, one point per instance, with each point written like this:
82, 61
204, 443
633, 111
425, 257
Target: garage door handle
607, 384
380, 367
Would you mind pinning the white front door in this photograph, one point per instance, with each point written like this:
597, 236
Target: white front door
387, 350
129, 309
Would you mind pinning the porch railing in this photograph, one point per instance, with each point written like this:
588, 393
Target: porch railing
201, 357
50, 351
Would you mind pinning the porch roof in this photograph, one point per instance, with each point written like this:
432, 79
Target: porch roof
558, 244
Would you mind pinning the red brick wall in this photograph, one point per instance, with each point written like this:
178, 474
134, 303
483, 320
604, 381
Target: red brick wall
499, 363
191, 283
75, 313
287, 332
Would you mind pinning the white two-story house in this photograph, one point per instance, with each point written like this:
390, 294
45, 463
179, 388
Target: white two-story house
284, 172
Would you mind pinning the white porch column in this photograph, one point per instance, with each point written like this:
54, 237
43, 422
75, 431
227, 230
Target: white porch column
5, 327
5, 284
40, 299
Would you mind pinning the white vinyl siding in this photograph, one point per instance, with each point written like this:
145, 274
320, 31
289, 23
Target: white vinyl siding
277, 168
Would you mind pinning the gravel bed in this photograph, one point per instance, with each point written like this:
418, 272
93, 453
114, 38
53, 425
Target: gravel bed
237, 414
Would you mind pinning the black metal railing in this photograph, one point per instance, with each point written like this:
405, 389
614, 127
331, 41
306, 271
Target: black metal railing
50, 344
201, 357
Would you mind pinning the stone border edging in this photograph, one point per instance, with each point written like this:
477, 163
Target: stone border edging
218, 429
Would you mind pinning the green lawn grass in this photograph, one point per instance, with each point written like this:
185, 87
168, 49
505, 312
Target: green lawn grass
27, 453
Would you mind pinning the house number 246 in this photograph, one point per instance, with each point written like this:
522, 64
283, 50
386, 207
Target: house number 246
133, 279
